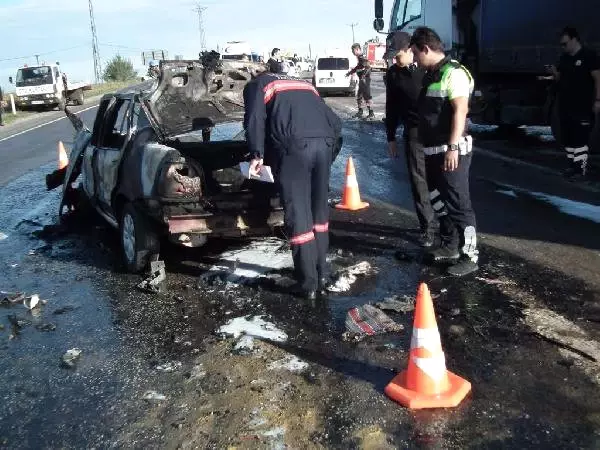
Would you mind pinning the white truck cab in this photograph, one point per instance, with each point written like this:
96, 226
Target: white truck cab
46, 85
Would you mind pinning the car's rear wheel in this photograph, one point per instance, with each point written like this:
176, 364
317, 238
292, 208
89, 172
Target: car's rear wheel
139, 240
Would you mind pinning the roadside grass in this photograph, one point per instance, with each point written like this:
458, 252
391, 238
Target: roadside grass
105, 88
8, 117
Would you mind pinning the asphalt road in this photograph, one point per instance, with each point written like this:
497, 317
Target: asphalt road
523, 330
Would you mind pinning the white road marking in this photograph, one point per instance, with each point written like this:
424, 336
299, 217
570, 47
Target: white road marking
44, 124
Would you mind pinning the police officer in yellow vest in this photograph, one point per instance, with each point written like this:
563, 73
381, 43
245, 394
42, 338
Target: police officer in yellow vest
443, 108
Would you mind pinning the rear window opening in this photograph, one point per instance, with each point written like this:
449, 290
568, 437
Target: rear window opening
333, 64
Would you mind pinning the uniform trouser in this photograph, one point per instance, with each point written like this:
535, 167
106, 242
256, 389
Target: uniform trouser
451, 201
303, 177
415, 161
576, 129
364, 93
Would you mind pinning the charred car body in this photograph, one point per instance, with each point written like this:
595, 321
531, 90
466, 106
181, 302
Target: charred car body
149, 172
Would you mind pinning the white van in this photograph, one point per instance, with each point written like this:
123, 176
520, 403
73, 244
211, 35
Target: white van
330, 74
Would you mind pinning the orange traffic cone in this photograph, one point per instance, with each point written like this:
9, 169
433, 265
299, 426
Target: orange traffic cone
351, 199
63, 159
426, 383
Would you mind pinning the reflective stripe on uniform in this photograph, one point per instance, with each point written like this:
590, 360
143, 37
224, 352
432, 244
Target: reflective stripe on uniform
321, 227
302, 238
277, 86
465, 146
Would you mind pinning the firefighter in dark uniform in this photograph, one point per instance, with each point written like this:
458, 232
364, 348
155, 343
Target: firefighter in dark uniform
443, 108
297, 134
578, 77
363, 71
404, 81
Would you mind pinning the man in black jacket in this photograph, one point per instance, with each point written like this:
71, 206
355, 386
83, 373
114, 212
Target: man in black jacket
404, 81
297, 134
273, 64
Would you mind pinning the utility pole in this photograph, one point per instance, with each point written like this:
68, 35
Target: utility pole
37, 59
96, 53
353, 25
200, 9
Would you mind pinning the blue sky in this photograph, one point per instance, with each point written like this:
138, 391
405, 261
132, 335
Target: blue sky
59, 30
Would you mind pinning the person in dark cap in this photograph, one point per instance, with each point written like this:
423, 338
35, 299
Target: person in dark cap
403, 82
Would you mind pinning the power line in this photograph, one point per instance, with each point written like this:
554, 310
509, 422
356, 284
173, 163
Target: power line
16, 58
95, 52
200, 10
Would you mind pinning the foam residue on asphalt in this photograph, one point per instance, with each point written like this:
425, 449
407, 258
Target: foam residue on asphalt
254, 326
254, 260
345, 278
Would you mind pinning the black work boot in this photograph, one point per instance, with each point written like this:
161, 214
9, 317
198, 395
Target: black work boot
446, 253
371, 114
298, 291
463, 267
359, 114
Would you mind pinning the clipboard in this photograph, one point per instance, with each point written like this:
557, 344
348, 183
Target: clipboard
266, 174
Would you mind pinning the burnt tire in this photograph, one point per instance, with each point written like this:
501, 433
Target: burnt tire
139, 240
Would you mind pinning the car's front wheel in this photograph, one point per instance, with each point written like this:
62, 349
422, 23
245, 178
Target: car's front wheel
139, 240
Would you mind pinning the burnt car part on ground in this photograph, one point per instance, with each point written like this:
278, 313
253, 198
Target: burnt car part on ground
146, 168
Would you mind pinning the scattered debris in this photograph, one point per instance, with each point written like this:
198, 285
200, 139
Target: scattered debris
397, 303
158, 274
153, 396
64, 309
169, 367
10, 299
496, 281
18, 322
291, 363
255, 326
457, 330
196, 373
31, 302
367, 320
455, 312
71, 357
345, 278
244, 346
45, 327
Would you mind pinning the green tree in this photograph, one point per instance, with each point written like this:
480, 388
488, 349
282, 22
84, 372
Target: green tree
119, 69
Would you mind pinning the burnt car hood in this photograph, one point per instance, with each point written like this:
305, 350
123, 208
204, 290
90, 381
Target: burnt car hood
192, 95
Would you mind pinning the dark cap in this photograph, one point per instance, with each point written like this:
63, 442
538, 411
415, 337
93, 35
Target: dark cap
396, 41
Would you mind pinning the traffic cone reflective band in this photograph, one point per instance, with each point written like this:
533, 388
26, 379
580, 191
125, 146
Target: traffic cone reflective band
426, 383
63, 159
351, 199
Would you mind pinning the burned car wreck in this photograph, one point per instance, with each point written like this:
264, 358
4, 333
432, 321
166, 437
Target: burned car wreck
148, 168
